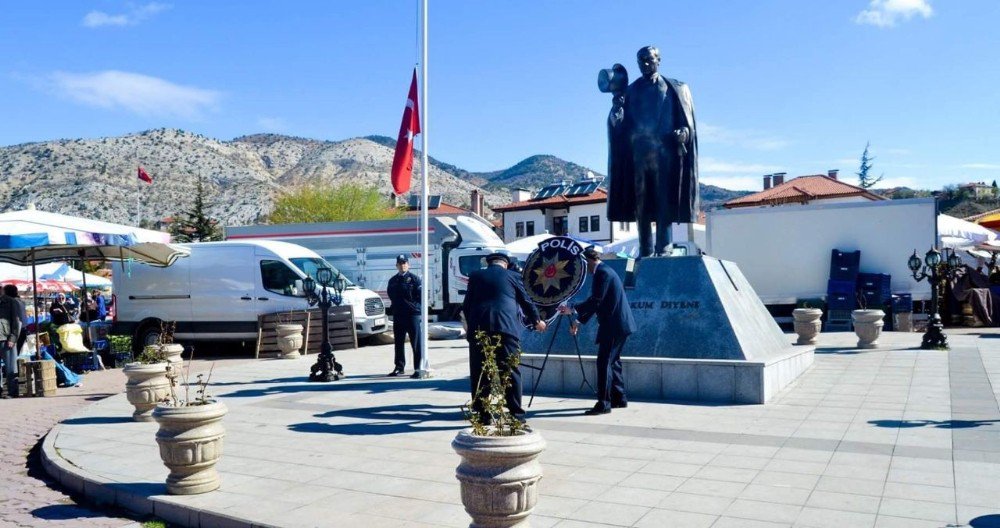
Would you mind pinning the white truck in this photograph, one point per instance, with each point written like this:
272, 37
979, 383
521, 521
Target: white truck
218, 292
784, 251
366, 251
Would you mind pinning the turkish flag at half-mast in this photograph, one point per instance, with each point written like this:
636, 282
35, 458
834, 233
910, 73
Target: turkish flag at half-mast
144, 176
402, 161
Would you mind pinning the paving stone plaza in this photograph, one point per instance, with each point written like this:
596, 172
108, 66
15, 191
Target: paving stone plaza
892, 437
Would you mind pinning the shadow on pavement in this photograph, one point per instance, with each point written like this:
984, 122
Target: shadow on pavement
65, 512
347, 385
389, 419
92, 420
986, 521
939, 424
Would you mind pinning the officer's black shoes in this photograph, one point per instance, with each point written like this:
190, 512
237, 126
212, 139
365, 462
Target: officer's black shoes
598, 409
416, 375
395, 373
620, 405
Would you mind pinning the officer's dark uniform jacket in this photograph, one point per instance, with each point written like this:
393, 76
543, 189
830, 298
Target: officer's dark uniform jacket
607, 300
404, 292
492, 302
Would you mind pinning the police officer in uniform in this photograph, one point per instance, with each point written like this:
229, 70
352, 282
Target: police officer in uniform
404, 292
491, 304
614, 325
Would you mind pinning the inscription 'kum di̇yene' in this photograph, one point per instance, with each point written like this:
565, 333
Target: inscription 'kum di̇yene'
664, 305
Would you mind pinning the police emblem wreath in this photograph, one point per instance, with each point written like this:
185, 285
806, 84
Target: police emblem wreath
554, 272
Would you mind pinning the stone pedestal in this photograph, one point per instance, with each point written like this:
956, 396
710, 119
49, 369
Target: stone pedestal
702, 334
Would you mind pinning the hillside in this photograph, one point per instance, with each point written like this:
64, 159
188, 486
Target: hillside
96, 177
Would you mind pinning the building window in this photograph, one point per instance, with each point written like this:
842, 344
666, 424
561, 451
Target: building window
583, 224
560, 225
623, 226
519, 229
531, 229
595, 223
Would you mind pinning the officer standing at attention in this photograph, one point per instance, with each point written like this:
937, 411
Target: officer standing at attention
615, 323
404, 293
491, 305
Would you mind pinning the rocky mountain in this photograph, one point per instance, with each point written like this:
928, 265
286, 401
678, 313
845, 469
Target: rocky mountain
96, 177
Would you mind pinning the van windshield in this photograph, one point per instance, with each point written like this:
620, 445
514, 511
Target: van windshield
310, 265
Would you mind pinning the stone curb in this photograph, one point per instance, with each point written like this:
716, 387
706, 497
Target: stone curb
104, 492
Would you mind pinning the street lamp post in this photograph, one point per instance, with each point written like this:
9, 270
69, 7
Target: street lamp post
934, 337
326, 367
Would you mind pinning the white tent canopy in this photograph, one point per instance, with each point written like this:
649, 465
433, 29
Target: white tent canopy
63, 229
55, 271
952, 231
523, 247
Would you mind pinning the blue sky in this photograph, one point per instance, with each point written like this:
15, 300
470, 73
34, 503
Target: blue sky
779, 85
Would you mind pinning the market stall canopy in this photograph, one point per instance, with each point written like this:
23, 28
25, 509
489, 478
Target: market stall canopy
65, 229
953, 230
63, 272
152, 253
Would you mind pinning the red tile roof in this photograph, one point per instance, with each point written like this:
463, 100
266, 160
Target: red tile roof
443, 209
801, 190
555, 202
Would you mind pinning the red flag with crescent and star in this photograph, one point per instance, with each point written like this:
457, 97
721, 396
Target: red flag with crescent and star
402, 161
144, 176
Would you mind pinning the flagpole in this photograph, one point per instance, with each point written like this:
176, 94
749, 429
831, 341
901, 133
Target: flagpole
425, 196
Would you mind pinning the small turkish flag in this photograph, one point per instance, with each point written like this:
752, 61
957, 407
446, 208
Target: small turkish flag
144, 176
402, 161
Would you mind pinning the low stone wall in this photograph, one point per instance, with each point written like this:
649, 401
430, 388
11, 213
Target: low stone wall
709, 380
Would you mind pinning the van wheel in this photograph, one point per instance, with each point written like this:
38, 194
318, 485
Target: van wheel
147, 334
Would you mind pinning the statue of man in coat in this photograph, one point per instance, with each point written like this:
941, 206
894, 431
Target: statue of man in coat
653, 151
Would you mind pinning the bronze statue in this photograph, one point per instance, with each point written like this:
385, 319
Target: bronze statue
652, 151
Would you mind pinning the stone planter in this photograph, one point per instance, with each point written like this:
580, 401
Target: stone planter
190, 439
147, 385
868, 326
173, 351
289, 340
499, 477
807, 324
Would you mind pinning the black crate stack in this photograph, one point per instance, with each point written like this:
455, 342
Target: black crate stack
841, 296
875, 293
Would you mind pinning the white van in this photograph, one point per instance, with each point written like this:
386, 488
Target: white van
219, 290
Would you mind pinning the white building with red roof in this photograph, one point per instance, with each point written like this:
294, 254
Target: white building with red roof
804, 189
577, 209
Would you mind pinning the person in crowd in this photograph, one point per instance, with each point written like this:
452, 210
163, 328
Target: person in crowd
491, 305
9, 290
59, 312
615, 323
404, 292
72, 307
11, 323
100, 308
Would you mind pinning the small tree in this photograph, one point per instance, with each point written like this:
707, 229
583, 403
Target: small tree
866, 181
194, 225
327, 203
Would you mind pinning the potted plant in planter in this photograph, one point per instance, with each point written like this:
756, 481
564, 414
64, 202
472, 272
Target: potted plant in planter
867, 324
499, 472
165, 342
289, 336
807, 323
190, 435
146, 383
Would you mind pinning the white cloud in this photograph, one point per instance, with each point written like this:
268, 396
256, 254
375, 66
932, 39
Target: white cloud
712, 165
889, 183
981, 166
272, 124
885, 13
751, 139
734, 183
136, 93
135, 15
